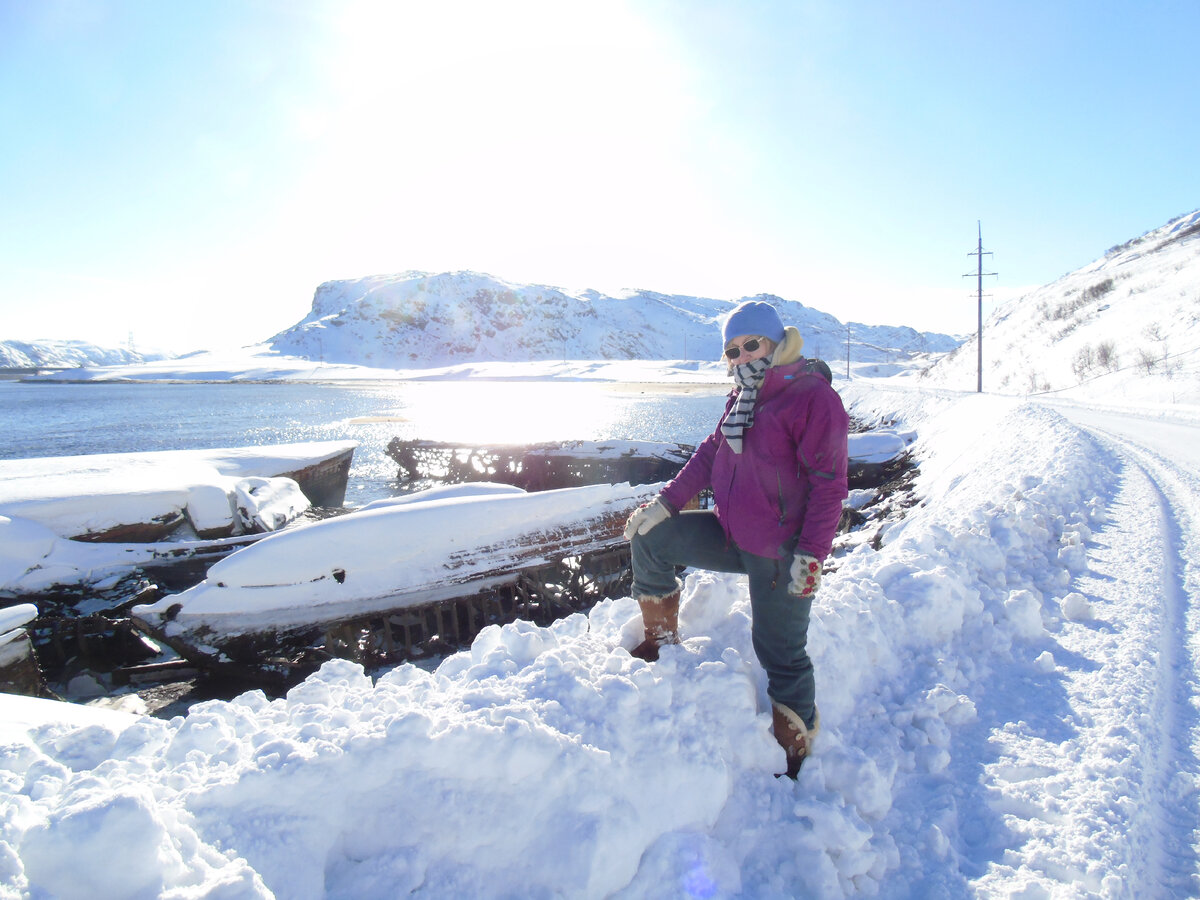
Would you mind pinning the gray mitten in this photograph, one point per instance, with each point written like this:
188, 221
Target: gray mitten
646, 517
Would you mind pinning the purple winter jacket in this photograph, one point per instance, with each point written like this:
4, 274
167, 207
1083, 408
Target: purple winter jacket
784, 491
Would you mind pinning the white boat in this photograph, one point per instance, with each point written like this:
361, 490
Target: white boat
274, 594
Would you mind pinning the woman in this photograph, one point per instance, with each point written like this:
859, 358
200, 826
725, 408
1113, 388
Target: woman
777, 466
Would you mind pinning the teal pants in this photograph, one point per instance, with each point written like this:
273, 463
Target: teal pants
695, 539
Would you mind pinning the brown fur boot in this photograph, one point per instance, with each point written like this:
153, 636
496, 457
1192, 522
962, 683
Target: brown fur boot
793, 735
660, 618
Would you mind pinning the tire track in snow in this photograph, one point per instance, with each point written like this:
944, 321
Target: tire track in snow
1163, 824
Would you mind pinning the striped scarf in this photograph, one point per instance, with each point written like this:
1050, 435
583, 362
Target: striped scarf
749, 378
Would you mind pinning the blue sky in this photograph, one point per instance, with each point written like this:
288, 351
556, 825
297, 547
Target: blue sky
190, 171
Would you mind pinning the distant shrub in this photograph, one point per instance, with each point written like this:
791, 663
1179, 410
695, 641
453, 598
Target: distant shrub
1096, 291
1064, 331
1086, 297
1147, 361
1084, 362
1106, 355
1066, 308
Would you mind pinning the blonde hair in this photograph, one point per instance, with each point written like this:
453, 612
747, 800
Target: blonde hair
786, 351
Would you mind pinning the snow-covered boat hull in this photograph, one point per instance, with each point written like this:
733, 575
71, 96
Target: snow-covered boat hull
144, 497
277, 592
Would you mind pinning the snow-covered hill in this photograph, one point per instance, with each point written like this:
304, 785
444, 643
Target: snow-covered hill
417, 319
1128, 322
34, 354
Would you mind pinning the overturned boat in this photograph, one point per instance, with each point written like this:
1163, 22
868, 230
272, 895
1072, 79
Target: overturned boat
147, 496
81, 520
375, 583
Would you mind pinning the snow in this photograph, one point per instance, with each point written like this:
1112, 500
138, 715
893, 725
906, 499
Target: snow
35, 354
1120, 331
419, 319
457, 325
45, 502
361, 562
1006, 677
266, 504
74, 495
445, 491
12, 618
878, 446
980, 736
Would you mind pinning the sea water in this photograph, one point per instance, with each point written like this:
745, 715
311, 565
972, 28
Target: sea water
75, 419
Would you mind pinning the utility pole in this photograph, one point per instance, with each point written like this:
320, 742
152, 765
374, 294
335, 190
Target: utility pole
979, 252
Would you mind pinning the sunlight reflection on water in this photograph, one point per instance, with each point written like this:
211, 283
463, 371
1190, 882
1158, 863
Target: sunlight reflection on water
527, 413
60, 420
490, 412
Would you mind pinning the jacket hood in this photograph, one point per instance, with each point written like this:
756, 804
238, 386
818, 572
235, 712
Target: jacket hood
789, 351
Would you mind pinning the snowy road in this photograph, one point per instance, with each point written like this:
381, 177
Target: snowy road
1146, 566
1079, 776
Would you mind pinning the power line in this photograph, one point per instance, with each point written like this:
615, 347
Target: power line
980, 252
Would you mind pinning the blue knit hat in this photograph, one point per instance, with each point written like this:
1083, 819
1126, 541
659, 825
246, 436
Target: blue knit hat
754, 317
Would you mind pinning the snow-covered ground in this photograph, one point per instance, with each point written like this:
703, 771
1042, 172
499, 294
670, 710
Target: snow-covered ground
1005, 686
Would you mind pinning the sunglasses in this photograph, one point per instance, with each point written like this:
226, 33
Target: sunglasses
750, 346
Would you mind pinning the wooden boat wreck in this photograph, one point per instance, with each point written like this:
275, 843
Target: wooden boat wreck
85, 519
538, 467
144, 497
875, 456
81, 535
19, 670
398, 581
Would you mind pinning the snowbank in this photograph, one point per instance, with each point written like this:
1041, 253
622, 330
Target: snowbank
549, 762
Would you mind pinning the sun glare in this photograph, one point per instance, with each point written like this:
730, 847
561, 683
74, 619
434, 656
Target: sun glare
464, 134
529, 412
489, 412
